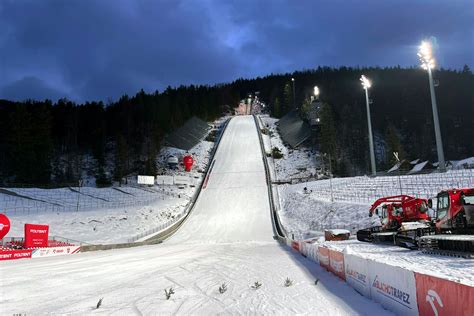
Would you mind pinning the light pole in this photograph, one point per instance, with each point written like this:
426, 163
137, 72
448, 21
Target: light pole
249, 107
425, 53
294, 99
366, 84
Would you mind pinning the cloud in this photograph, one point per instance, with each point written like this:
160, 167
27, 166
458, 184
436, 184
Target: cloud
103, 49
36, 90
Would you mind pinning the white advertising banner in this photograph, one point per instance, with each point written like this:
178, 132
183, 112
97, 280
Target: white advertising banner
357, 274
393, 287
55, 251
304, 248
164, 180
150, 180
313, 252
183, 180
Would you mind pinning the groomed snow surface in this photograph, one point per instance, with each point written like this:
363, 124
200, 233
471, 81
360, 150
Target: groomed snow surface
227, 238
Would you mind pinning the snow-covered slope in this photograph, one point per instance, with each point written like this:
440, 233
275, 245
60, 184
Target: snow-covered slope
228, 239
234, 204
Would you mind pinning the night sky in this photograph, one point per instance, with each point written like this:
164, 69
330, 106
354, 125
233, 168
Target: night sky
100, 50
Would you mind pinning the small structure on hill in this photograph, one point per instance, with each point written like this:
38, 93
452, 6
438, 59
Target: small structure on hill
422, 167
188, 135
293, 130
402, 167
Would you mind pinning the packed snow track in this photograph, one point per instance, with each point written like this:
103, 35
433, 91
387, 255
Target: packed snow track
227, 238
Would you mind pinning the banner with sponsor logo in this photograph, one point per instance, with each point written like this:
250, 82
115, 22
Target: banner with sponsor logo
440, 297
357, 274
312, 252
393, 287
10, 254
4, 226
150, 180
55, 251
295, 244
164, 180
336, 263
183, 180
36, 236
323, 256
304, 248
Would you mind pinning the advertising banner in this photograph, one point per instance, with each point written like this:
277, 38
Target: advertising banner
336, 263
323, 256
55, 251
357, 274
314, 253
150, 180
10, 254
295, 245
308, 250
440, 297
4, 226
164, 180
36, 236
393, 287
183, 180
304, 248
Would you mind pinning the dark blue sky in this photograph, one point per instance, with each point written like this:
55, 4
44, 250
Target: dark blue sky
102, 49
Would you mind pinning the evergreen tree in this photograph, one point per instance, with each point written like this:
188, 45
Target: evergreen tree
393, 144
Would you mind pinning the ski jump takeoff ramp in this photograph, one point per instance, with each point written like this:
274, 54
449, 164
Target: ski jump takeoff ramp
228, 238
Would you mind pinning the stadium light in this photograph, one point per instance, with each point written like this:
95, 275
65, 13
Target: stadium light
294, 98
316, 92
367, 84
425, 53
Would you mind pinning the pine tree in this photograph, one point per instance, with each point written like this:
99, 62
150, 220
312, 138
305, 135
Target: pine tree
393, 143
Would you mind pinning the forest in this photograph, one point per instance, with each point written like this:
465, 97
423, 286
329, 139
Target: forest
45, 143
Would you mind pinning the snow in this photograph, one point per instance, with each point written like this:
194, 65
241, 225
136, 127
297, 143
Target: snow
465, 162
336, 232
297, 164
228, 238
132, 281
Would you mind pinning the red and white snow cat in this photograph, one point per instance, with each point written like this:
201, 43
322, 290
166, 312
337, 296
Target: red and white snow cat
399, 215
406, 222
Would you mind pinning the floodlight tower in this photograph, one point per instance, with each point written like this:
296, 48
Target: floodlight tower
294, 98
425, 53
366, 85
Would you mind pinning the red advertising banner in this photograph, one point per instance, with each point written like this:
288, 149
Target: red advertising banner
323, 255
10, 254
4, 225
438, 297
336, 263
36, 236
295, 245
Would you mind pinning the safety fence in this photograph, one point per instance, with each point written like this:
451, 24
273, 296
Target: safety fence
400, 290
15, 201
368, 189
